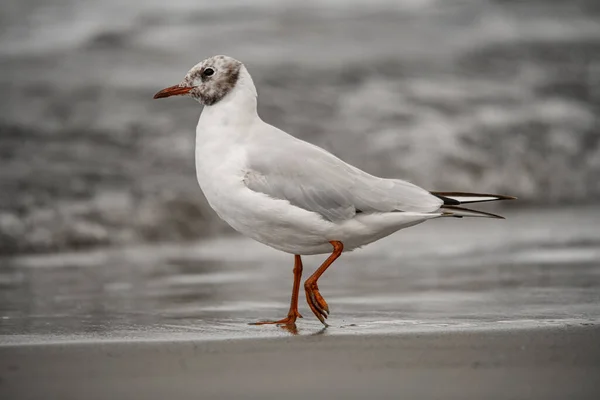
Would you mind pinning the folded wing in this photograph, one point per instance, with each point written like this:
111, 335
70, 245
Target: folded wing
315, 180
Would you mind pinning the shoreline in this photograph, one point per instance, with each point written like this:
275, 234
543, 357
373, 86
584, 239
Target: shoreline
551, 362
184, 334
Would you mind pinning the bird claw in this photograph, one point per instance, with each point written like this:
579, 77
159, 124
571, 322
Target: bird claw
317, 303
321, 301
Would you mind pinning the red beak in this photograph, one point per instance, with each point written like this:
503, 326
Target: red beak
173, 91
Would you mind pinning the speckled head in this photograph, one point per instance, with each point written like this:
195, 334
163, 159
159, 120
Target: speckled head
208, 82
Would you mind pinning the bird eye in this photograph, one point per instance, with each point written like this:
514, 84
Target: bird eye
208, 72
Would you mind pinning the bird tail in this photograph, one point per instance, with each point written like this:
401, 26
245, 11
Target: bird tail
459, 212
453, 199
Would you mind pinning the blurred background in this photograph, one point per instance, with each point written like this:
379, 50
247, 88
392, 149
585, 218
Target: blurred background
465, 95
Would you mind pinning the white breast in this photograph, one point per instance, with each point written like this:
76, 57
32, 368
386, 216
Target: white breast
220, 136
220, 164
221, 169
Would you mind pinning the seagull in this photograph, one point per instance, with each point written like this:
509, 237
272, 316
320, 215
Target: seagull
290, 194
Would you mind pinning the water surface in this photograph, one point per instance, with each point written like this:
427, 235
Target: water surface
538, 267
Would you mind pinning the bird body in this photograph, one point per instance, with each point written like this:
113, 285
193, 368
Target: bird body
290, 194
231, 139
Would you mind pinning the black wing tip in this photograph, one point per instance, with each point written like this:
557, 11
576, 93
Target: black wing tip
447, 201
443, 196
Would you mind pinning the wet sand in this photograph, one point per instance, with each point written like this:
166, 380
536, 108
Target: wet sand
561, 362
538, 266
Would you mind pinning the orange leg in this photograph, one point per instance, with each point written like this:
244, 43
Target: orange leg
316, 302
293, 313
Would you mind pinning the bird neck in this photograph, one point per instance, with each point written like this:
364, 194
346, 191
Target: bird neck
238, 107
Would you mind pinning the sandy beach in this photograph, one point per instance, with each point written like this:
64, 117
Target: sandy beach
561, 362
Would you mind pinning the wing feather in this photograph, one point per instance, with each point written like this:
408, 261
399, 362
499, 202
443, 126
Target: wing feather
315, 180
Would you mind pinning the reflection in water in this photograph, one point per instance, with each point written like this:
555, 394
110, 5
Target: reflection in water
291, 328
436, 276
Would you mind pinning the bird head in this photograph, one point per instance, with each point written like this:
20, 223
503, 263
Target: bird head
208, 81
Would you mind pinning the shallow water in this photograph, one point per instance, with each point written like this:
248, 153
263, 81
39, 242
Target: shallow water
538, 267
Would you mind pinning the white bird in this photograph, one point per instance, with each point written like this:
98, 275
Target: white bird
290, 194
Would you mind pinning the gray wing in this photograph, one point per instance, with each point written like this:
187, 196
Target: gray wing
315, 180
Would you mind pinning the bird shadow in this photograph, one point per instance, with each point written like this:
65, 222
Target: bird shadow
321, 331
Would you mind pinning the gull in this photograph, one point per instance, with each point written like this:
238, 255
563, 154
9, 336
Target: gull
290, 194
